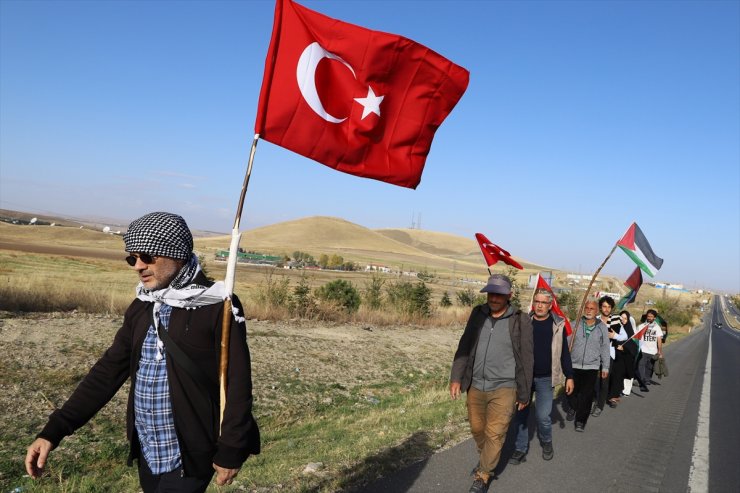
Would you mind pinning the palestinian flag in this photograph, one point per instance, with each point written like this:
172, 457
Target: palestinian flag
634, 281
634, 244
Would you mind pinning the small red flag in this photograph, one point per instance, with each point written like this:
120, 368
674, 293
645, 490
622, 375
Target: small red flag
493, 253
360, 101
542, 284
638, 335
634, 281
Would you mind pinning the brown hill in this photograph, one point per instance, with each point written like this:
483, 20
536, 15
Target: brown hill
412, 249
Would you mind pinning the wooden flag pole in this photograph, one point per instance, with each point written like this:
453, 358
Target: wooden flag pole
585, 295
223, 366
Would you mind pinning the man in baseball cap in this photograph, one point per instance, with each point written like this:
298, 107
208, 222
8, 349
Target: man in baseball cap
494, 364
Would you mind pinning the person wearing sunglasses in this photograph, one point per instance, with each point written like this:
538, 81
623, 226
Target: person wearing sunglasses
167, 346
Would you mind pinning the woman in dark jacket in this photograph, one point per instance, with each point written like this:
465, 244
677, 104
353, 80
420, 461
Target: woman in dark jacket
629, 349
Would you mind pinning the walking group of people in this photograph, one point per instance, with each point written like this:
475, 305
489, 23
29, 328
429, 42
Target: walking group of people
506, 357
168, 347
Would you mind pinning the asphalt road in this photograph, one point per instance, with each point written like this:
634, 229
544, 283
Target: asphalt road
648, 443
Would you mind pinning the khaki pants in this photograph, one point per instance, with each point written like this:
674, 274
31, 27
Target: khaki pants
489, 414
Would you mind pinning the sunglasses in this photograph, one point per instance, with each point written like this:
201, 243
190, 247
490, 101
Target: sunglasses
145, 257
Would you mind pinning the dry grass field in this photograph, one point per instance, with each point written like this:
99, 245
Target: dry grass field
362, 396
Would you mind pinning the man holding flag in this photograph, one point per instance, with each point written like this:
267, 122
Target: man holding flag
167, 348
552, 366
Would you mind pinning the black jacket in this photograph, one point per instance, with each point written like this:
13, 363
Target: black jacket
198, 333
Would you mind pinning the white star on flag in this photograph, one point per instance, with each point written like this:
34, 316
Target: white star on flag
370, 104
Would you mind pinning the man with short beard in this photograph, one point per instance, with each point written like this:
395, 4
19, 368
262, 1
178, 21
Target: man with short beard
589, 351
651, 346
167, 347
493, 364
552, 367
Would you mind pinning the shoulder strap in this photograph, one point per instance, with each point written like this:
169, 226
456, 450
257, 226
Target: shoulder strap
183, 361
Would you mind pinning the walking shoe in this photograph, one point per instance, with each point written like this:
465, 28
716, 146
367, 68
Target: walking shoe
547, 451
571, 415
478, 486
612, 404
579, 426
644, 389
518, 457
596, 412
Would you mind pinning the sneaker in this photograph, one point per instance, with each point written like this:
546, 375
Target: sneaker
518, 457
571, 415
547, 451
579, 426
644, 389
596, 412
478, 486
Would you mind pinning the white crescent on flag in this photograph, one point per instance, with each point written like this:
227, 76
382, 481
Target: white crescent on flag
306, 76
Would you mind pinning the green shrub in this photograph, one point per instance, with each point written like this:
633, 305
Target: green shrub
303, 304
340, 292
374, 292
274, 292
445, 301
569, 302
410, 299
468, 297
672, 312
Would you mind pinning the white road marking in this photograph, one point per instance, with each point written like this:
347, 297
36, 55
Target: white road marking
699, 473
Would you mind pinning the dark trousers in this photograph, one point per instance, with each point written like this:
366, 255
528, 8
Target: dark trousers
169, 482
646, 367
601, 388
638, 371
583, 393
629, 364
616, 376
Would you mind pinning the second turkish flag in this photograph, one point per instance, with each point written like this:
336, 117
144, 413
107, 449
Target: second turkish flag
360, 101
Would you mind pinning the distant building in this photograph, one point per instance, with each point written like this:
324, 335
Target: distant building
377, 268
250, 258
547, 276
614, 296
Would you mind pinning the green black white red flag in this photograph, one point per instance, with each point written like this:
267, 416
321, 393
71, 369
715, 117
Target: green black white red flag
636, 246
633, 282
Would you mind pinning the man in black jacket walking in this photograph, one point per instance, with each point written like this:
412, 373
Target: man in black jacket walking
494, 364
167, 346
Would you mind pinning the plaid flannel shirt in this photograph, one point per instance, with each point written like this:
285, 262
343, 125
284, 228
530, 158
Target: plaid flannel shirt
152, 406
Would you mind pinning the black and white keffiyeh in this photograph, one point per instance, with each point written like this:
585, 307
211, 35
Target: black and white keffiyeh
160, 233
182, 292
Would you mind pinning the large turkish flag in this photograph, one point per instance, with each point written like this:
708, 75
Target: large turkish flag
360, 101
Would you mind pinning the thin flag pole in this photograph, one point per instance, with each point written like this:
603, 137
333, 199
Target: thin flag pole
229, 281
588, 290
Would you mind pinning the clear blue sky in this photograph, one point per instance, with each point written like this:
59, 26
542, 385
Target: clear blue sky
580, 118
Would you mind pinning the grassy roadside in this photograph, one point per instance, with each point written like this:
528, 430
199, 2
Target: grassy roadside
361, 401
